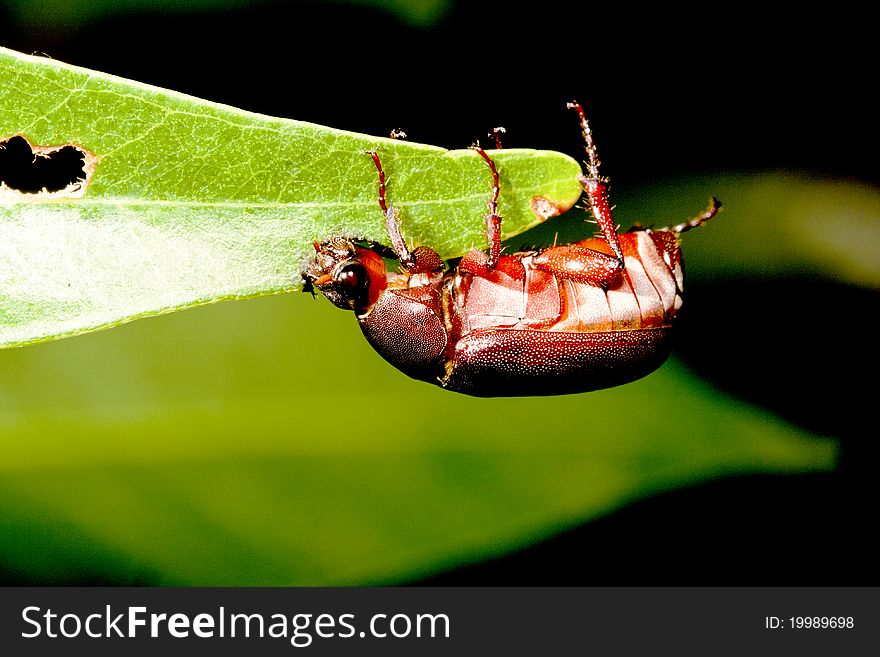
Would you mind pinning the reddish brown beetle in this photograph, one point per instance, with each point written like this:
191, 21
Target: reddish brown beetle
566, 319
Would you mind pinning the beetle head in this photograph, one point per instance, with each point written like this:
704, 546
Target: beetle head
351, 277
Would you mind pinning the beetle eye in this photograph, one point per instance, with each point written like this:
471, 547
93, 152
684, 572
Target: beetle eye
352, 275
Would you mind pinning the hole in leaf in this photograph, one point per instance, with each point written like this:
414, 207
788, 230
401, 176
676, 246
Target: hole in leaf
56, 170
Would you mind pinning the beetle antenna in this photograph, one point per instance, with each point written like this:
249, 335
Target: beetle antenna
592, 153
391, 216
493, 219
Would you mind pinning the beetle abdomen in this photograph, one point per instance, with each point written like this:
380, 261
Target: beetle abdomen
516, 362
543, 333
646, 295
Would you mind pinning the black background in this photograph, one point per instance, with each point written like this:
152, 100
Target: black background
671, 91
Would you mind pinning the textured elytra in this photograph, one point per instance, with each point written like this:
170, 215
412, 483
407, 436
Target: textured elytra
509, 363
406, 327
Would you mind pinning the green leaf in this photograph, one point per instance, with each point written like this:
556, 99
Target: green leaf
193, 202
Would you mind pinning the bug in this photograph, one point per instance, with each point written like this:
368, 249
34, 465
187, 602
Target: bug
566, 319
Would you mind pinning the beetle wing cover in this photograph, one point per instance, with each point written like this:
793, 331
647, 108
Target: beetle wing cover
405, 327
509, 362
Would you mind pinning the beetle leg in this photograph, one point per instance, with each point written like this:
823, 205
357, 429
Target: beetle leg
493, 219
495, 134
422, 259
392, 222
580, 264
596, 188
713, 209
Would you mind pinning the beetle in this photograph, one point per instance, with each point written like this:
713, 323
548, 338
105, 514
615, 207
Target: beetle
565, 319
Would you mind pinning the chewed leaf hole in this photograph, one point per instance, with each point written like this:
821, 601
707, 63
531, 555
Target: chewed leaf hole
55, 171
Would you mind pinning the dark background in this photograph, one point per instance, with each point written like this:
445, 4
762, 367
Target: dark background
671, 92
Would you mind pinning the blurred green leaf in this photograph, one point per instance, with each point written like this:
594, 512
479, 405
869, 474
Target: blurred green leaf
193, 202
74, 12
264, 442
776, 224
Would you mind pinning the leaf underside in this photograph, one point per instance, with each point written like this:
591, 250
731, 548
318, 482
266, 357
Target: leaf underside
192, 202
